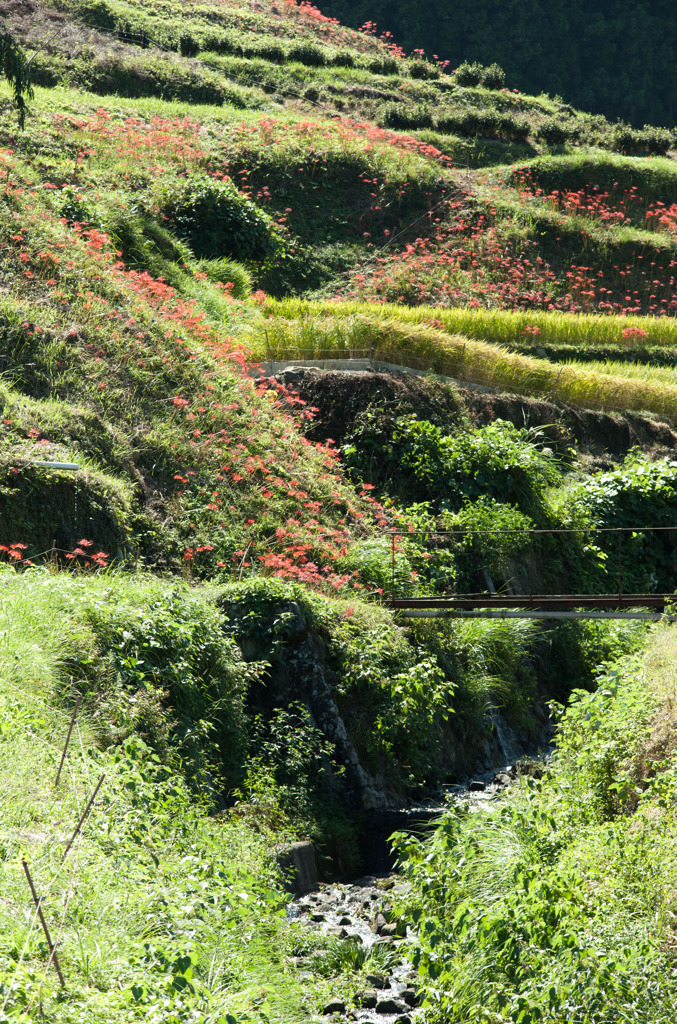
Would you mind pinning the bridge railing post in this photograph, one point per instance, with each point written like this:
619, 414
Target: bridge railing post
620, 563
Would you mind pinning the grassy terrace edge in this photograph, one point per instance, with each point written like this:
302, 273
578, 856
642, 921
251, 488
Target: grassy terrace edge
451, 343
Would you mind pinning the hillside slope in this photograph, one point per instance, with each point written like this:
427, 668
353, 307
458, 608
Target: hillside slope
118, 267
200, 187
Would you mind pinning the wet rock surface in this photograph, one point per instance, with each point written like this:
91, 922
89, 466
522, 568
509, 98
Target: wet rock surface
363, 912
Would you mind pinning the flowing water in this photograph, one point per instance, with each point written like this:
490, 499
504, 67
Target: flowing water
363, 911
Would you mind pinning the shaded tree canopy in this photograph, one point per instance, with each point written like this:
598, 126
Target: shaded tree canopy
600, 55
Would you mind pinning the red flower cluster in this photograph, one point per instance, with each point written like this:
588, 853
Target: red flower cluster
14, 553
81, 555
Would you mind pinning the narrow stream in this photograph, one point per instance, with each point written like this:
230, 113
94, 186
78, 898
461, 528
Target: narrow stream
362, 911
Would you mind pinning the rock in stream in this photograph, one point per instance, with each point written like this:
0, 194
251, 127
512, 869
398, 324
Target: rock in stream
362, 911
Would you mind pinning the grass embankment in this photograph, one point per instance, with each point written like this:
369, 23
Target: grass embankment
133, 377
635, 183
560, 904
238, 53
332, 331
160, 911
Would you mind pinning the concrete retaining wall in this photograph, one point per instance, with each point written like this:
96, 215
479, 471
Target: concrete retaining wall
271, 367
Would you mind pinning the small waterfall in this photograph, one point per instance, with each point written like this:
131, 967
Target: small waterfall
509, 747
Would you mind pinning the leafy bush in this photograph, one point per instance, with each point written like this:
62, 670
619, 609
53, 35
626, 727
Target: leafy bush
473, 74
216, 220
422, 69
343, 60
469, 74
493, 77
638, 494
597, 736
420, 701
290, 751
513, 128
218, 43
177, 680
306, 53
499, 461
486, 123
272, 52
398, 115
655, 141
383, 65
451, 123
553, 132
188, 46
497, 552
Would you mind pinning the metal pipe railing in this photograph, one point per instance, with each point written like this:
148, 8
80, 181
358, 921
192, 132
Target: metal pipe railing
530, 532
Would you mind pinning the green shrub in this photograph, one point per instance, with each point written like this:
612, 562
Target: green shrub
493, 77
343, 60
516, 129
139, 74
188, 46
383, 65
470, 122
651, 140
306, 53
42, 507
272, 52
553, 132
469, 74
289, 747
398, 115
473, 74
216, 220
186, 680
218, 43
422, 69
499, 461
637, 494
481, 122
657, 141
499, 553
47, 70
489, 124
450, 123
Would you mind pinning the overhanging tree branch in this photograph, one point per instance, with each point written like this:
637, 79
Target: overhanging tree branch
16, 70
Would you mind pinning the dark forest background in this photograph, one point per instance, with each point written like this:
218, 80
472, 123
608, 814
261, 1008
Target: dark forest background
616, 57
